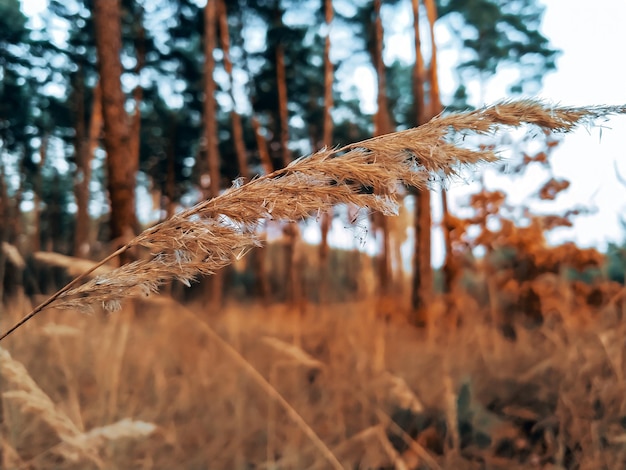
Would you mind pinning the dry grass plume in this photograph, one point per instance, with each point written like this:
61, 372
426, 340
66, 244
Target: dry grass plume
368, 174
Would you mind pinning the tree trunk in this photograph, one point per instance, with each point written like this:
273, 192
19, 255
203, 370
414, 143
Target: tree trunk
121, 164
5, 216
261, 280
37, 235
210, 108
140, 53
17, 225
86, 143
327, 139
418, 68
382, 125
291, 232
170, 177
435, 100
449, 270
281, 83
262, 285
421, 288
435, 109
261, 143
240, 147
210, 130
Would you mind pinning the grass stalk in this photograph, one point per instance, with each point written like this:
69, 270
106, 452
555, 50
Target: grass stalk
369, 174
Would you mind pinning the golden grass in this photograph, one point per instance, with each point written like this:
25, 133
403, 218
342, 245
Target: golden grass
345, 383
204, 404
60, 439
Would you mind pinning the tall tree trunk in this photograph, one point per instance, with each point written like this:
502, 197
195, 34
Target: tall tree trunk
327, 139
281, 83
240, 147
262, 284
210, 129
121, 165
449, 270
328, 77
140, 53
17, 225
210, 107
291, 231
435, 109
435, 100
261, 280
5, 216
422, 271
170, 177
86, 143
264, 154
81, 188
419, 71
37, 235
382, 125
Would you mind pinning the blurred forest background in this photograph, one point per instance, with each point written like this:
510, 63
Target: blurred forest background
115, 114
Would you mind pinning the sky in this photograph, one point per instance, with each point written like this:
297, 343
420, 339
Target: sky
590, 71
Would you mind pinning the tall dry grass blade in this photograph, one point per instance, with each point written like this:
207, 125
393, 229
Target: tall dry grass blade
72, 265
426, 459
263, 384
208, 236
24, 393
9, 457
124, 429
13, 255
298, 355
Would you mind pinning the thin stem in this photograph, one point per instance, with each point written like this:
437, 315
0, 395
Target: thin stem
63, 290
266, 386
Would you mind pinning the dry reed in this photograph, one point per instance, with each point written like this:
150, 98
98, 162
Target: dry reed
368, 174
208, 236
22, 393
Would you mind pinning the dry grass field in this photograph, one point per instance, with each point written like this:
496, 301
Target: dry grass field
161, 386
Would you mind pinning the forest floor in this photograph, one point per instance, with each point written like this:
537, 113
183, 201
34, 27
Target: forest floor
162, 386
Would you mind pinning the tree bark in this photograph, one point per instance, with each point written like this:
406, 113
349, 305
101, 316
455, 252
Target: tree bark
281, 82
210, 108
140, 53
170, 177
382, 125
235, 118
290, 231
264, 154
210, 129
435, 100
421, 288
327, 139
435, 109
5, 217
121, 164
261, 283
37, 235
281, 85
86, 143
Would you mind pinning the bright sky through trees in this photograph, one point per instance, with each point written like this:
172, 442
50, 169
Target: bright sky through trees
588, 72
